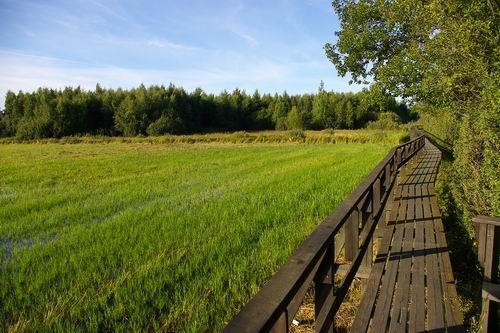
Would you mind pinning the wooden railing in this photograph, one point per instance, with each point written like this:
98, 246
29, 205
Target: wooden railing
274, 307
444, 146
488, 246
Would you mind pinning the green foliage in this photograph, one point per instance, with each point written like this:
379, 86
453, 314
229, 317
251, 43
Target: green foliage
294, 119
159, 110
443, 55
386, 120
297, 135
126, 237
168, 123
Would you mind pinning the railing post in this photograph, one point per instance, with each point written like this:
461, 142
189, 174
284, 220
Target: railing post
281, 325
324, 287
376, 195
351, 233
367, 216
488, 243
388, 176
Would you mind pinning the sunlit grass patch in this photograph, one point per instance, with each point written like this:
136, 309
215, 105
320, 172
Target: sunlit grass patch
146, 237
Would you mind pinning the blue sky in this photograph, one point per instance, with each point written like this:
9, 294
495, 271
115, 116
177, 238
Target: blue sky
251, 44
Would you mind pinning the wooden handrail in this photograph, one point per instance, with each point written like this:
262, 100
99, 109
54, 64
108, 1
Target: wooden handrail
488, 251
482, 219
274, 307
440, 143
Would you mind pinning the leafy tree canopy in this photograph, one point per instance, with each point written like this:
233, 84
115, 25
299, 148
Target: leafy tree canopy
444, 57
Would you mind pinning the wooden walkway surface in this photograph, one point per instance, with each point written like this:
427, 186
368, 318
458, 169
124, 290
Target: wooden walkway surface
411, 287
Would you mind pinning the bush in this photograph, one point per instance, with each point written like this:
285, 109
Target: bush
404, 139
166, 124
386, 120
297, 135
31, 128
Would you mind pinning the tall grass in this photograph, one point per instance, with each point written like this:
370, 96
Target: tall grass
135, 237
310, 137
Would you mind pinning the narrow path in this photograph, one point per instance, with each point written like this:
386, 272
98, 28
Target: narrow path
411, 287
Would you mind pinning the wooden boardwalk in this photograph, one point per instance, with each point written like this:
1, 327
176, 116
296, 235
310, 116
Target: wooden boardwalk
411, 286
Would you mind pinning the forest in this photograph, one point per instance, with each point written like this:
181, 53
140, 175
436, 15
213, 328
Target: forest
158, 110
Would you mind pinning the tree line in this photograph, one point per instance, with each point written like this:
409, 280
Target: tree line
158, 110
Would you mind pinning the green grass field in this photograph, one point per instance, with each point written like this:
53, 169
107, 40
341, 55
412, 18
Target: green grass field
134, 237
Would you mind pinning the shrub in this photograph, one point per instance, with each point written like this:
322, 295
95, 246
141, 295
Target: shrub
296, 135
166, 124
386, 120
31, 128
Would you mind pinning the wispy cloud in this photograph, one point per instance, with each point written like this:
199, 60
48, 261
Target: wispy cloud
113, 12
269, 45
246, 37
162, 43
28, 72
151, 42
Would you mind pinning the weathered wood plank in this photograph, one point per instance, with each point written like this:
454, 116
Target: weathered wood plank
351, 232
365, 309
434, 300
417, 301
453, 315
384, 301
399, 313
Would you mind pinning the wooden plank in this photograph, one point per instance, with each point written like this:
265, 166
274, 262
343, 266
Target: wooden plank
376, 197
434, 292
362, 319
351, 232
324, 283
384, 301
487, 220
399, 313
417, 294
453, 314
428, 213
362, 273
481, 244
281, 325
411, 204
491, 291
489, 266
485, 315
435, 318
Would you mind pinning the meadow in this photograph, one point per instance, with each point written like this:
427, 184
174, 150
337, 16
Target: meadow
166, 237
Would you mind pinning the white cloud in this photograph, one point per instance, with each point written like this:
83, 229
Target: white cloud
246, 37
28, 72
161, 43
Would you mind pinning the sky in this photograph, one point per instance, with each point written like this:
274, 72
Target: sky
272, 46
